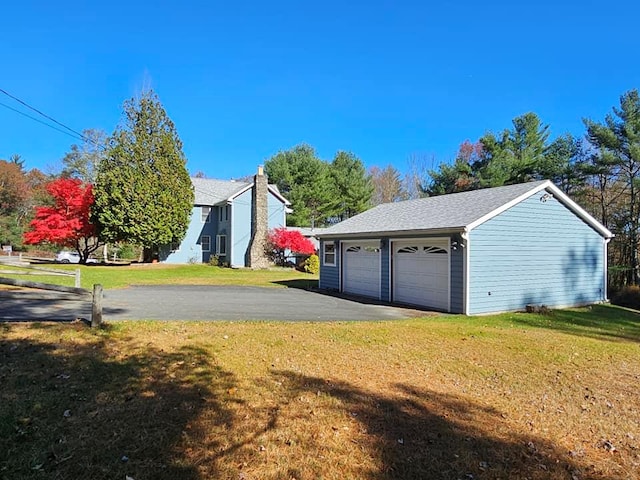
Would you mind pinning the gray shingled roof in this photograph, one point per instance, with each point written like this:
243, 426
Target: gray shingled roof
209, 191
445, 212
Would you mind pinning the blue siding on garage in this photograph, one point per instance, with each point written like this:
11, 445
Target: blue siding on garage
385, 266
535, 253
458, 254
330, 275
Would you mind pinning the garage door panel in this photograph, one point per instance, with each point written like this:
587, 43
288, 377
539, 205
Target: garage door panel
361, 269
421, 273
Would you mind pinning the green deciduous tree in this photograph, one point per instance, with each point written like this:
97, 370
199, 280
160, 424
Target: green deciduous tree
353, 187
143, 193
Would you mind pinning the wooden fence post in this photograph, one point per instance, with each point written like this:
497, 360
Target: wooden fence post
77, 281
96, 306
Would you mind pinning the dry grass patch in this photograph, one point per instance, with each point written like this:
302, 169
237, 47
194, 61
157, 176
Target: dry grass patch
514, 396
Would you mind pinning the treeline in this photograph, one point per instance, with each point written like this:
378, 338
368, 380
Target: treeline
601, 171
321, 192
20, 192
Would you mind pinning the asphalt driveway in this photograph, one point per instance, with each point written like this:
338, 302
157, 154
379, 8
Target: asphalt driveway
189, 302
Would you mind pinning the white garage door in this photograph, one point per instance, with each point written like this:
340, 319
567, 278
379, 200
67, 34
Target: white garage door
421, 273
361, 268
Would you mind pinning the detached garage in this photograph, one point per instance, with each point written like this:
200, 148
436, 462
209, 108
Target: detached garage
484, 251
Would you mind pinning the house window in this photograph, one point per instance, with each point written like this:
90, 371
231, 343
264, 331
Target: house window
205, 243
221, 245
223, 213
329, 253
206, 211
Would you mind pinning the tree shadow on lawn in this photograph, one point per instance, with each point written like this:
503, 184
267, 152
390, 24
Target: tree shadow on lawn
72, 410
422, 434
603, 322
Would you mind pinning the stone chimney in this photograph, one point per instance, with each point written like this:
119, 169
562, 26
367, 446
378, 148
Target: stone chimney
256, 255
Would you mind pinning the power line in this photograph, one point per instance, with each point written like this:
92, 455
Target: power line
77, 135
42, 122
41, 113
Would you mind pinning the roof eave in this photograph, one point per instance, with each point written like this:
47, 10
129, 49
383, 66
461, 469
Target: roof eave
559, 195
274, 192
581, 212
392, 233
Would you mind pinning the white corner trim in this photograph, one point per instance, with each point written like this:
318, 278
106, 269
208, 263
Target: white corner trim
580, 211
465, 271
606, 269
271, 190
239, 192
278, 195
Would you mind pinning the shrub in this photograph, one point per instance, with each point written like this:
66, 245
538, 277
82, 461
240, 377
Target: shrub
312, 264
214, 260
283, 243
628, 296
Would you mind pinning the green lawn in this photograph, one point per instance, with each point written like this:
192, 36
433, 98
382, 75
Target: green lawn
156, 274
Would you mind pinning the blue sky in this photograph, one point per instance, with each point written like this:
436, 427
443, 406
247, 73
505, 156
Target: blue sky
242, 80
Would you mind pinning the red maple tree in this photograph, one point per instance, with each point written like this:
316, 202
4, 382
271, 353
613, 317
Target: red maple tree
283, 242
67, 222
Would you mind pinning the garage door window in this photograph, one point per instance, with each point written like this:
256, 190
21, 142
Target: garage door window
329, 256
358, 248
432, 249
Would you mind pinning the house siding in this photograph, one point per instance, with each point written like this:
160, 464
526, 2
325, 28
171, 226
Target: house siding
190, 250
329, 274
223, 227
277, 215
534, 253
240, 229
